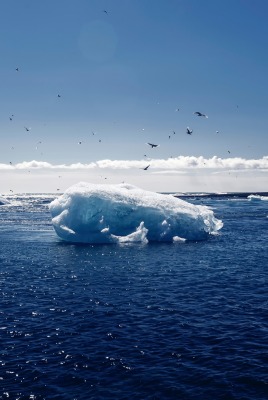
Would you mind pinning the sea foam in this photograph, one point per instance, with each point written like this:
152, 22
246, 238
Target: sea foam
95, 213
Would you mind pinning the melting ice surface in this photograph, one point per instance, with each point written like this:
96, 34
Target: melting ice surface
95, 213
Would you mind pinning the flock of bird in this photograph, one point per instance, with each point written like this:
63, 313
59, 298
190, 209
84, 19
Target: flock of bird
152, 145
188, 131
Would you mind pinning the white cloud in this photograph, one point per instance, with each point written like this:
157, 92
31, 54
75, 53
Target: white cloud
170, 165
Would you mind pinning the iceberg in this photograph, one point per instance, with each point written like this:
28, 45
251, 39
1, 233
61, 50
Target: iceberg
3, 201
102, 213
257, 197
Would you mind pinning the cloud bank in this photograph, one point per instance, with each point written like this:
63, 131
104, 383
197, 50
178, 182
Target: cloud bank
171, 165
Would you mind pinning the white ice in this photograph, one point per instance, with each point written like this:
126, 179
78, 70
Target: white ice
257, 197
91, 213
3, 201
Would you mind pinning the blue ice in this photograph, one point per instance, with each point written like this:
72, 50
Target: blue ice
102, 213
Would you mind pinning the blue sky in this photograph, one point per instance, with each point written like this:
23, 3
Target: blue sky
122, 75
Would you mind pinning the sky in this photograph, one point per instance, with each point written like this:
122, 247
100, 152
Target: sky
86, 84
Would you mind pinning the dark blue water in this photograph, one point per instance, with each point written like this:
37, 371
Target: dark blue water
157, 321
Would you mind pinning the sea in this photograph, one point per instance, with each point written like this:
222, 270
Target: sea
134, 321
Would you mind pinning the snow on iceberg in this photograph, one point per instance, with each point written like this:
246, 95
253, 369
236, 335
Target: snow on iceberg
97, 213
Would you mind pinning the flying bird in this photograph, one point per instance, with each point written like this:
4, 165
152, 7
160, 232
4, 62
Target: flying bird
189, 131
17, 69
105, 11
27, 129
199, 114
152, 145
145, 169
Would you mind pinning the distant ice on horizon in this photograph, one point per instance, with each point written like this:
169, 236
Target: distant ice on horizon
3, 201
257, 197
99, 213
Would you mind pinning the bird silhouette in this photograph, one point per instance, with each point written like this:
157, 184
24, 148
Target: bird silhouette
199, 114
152, 145
145, 169
189, 131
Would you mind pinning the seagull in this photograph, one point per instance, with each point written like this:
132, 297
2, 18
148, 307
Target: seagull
145, 169
27, 129
199, 114
153, 145
189, 131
